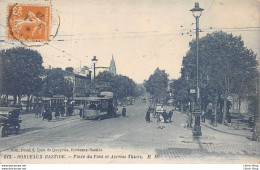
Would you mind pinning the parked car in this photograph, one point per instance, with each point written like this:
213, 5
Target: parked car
9, 120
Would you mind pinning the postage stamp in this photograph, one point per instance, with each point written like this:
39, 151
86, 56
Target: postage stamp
28, 23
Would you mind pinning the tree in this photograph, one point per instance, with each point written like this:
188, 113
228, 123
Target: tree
121, 86
157, 84
55, 84
180, 91
20, 71
226, 66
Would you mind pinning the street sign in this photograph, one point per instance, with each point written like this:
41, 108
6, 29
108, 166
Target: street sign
192, 91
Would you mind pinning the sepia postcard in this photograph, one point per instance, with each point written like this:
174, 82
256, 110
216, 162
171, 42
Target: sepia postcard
129, 82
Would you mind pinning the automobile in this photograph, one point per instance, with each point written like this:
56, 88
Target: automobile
9, 121
159, 109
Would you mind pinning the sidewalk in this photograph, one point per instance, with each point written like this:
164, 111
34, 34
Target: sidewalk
223, 128
221, 144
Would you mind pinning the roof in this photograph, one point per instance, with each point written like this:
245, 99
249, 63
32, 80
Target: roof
8, 108
5, 110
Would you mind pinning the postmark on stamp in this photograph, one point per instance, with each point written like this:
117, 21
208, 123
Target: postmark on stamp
28, 23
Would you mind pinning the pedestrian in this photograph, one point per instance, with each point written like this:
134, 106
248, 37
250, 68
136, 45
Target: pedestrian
170, 115
124, 111
164, 115
80, 112
229, 119
159, 121
57, 112
42, 110
147, 116
47, 115
189, 121
62, 110
70, 110
203, 115
37, 111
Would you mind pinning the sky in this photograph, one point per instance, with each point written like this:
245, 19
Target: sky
140, 34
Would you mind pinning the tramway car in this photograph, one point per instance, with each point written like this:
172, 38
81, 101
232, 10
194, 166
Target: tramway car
95, 107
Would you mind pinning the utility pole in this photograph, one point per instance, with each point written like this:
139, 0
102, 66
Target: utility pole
196, 12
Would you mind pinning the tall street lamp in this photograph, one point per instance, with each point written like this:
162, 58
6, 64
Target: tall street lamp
196, 12
94, 61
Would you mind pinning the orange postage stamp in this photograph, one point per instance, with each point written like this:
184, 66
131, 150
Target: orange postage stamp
28, 23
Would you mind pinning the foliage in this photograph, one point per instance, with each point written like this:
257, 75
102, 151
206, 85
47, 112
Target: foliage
55, 84
226, 66
20, 71
157, 84
122, 86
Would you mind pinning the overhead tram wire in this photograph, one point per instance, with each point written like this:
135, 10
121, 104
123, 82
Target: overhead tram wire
234, 28
135, 36
44, 57
205, 4
206, 12
64, 52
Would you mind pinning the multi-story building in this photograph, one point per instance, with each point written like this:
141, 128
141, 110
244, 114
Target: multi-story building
80, 83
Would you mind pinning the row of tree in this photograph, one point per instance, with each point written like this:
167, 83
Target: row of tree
22, 74
121, 86
226, 68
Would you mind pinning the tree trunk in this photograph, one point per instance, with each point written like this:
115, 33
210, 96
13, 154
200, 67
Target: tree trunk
7, 100
15, 99
215, 105
27, 103
181, 106
239, 104
19, 99
225, 100
31, 102
224, 109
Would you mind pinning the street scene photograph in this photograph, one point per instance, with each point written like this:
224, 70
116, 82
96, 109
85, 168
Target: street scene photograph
129, 82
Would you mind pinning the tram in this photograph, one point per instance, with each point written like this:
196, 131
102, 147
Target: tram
95, 107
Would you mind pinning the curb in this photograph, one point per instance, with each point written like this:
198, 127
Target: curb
216, 129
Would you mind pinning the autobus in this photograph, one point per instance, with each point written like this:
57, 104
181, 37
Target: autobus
95, 107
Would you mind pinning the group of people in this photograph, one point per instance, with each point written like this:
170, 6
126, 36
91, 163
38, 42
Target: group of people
45, 112
163, 117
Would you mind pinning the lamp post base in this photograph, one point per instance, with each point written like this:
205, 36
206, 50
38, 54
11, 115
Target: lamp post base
197, 131
197, 128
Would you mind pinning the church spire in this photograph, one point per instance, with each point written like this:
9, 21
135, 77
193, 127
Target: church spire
112, 67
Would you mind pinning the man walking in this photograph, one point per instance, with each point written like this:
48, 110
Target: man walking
170, 115
147, 116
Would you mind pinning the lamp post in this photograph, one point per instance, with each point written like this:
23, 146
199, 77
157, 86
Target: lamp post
94, 61
196, 12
